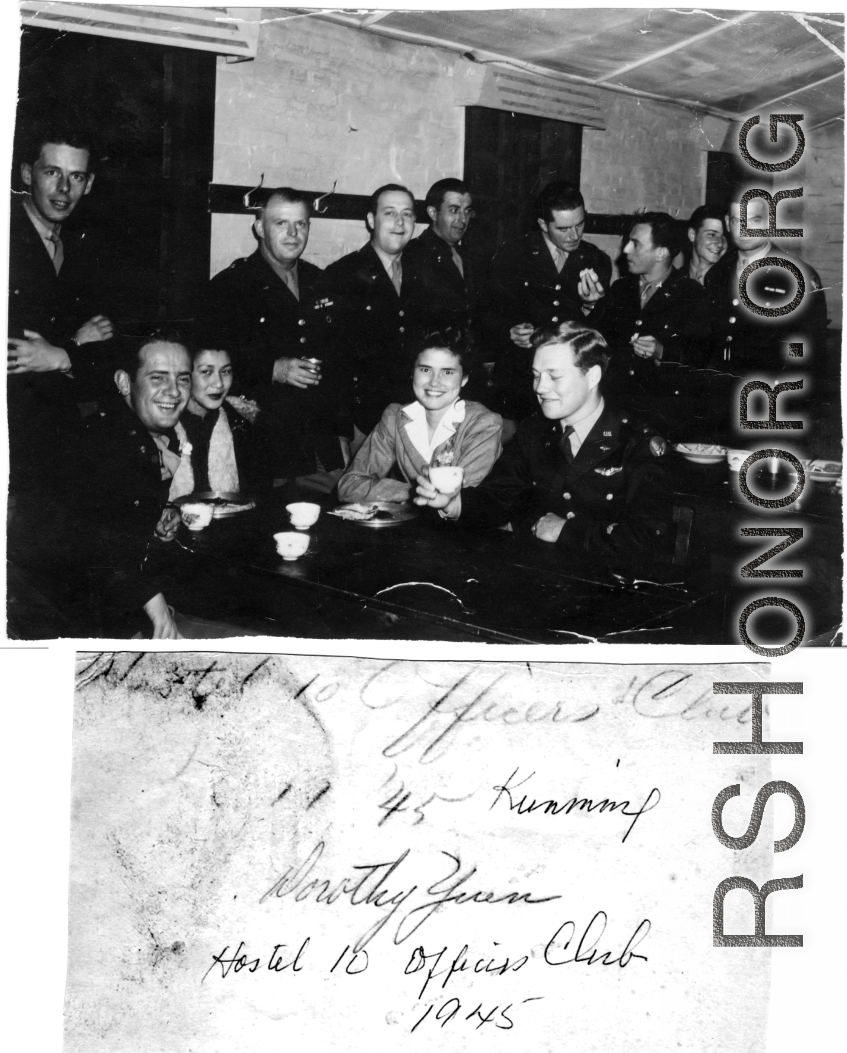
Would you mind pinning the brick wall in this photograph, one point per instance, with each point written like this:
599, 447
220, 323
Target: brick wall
821, 174
323, 102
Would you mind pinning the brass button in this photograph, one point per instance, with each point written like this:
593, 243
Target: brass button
729, 337
558, 287
732, 320
402, 329
301, 321
609, 497
302, 339
571, 515
555, 303
555, 318
567, 497
735, 303
401, 313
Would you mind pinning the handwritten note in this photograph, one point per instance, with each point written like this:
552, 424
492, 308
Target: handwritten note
270, 852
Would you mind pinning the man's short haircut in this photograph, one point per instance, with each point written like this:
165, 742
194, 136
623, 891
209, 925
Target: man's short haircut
373, 204
455, 339
665, 231
438, 191
285, 193
558, 197
128, 351
704, 212
588, 346
72, 133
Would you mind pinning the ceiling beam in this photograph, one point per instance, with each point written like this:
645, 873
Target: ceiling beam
796, 91
727, 24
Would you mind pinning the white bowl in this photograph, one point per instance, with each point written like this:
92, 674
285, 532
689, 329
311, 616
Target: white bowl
303, 514
290, 544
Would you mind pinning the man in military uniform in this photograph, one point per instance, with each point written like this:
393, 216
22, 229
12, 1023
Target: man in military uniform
744, 341
377, 306
582, 476
550, 276
439, 252
271, 310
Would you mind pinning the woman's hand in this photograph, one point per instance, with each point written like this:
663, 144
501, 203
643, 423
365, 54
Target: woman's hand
168, 524
450, 504
162, 617
95, 329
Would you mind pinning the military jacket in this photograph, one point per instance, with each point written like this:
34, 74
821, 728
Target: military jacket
251, 312
742, 340
375, 329
446, 299
613, 496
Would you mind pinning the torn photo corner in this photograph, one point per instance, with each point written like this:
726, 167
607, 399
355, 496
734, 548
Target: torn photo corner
269, 852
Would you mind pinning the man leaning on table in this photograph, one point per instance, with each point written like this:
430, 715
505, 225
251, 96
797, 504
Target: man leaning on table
583, 476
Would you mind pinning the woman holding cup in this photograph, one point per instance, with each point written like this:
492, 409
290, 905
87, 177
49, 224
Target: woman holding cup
441, 435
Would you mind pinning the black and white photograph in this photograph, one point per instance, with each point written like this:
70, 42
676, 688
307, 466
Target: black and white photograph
505, 326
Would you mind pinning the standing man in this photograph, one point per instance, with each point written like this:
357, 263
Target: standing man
377, 313
548, 277
53, 349
741, 339
655, 311
271, 310
706, 241
439, 252
581, 475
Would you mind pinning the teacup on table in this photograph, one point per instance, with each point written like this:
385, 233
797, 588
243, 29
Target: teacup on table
196, 514
446, 478
303, 514
291, 545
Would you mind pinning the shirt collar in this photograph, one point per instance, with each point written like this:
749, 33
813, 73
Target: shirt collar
583, 426
757, 255
277, 267
554, 250
45, 230
455, 415
642, 279
386, 260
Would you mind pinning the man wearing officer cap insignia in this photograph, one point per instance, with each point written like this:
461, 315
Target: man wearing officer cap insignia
582, 476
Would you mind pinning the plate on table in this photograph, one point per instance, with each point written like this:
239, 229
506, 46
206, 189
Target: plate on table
224, 504
824, 471
701, 452
377, 514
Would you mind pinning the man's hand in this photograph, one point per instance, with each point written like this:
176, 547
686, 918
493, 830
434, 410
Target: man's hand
168, 524
450, 504
646, 347
520, 334
162, 617
297, 372
548, 527
97, 328
590, 287
32, 354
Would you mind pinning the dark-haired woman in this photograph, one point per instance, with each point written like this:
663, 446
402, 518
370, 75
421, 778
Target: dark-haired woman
438, 428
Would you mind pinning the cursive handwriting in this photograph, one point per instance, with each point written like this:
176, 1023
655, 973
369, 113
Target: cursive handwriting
549, 806
369, 887
458, 964
452, 1007
278, 960
586, 952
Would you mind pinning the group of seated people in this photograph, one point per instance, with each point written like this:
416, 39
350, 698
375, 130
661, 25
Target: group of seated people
403, 355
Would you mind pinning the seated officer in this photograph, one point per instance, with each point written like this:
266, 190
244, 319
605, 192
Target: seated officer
582, 476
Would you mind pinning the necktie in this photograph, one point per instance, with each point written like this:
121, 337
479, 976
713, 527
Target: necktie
647, 291
561, 260
58, 251
396, 275
457, 259
290, 278
565, 443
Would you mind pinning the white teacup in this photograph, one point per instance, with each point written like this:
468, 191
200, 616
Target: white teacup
291, 545
196, 514
446, 478
735, 458
303, 514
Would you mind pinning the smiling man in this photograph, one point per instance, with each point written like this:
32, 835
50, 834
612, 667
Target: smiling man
270, 310
706, 241
378, 310
549, 276
581, 476
131, 450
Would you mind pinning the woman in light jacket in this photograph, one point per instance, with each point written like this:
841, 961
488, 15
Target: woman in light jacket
438, 428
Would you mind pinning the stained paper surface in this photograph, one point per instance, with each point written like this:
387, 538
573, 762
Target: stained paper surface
270, 852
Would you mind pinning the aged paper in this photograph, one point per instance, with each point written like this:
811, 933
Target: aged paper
359, 853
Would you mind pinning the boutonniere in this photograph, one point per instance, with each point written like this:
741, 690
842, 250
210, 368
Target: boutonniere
247, 408
186, 449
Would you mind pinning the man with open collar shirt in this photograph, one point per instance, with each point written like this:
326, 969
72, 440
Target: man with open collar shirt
271, 310
582, 476
549, 276
743, 341
376, 313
